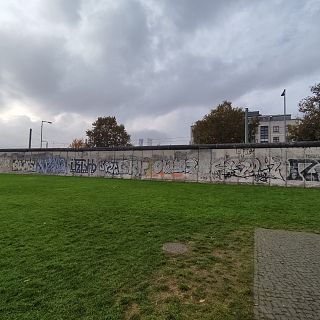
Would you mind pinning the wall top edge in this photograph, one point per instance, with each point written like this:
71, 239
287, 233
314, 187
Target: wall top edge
303, 144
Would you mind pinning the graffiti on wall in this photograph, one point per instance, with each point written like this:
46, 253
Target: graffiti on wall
23, 165
243, 165
141, 167
133, 168
245, 151
4, 163
175, 166
83, 165
53, 165
248, 168
304, 169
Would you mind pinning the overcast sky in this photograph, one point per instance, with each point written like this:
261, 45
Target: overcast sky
158, 66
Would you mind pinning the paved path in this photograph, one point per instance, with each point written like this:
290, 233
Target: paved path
287, 275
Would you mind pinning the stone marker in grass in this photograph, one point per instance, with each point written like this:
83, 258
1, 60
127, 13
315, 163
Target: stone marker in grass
175, 247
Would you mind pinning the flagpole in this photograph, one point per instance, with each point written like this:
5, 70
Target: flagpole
284, 114
285, 117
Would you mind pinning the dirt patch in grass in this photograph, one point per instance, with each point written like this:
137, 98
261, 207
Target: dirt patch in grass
212, 280
133, 312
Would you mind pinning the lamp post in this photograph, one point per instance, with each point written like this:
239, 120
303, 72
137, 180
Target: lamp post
42, 122
284, 114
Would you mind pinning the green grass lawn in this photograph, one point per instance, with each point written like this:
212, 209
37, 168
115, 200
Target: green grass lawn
80, 248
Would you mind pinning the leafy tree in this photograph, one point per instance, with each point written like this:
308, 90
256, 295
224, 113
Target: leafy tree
308, 128
107, 133
225, 124
78, 144
253, 128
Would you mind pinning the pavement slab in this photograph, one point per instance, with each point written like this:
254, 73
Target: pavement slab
287, 275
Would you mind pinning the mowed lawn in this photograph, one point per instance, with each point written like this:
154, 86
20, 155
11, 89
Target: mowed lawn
89, 248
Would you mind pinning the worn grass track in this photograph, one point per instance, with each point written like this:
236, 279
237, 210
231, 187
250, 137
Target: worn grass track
79, 248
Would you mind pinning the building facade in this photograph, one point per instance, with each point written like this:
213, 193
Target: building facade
271, 128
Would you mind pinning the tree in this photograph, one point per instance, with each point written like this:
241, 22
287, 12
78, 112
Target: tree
253, 128
78, 144
225, 124
107, 133
308, 128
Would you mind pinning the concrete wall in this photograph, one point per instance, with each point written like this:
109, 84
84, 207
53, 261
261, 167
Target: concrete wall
282, 164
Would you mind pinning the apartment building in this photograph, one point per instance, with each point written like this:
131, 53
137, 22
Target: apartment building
271, 128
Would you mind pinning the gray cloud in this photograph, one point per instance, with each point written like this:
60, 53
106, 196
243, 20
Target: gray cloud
33, 66
61, 11
144, 58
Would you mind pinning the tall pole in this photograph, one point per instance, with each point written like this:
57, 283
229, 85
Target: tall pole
246, 126
42, 122
285, 117
284, 114
41, 135
30, 136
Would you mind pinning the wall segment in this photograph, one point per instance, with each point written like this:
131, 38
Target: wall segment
281, 164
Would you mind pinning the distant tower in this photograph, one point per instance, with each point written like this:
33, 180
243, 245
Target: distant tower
140, 142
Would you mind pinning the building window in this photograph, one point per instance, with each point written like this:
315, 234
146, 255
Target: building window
275, 128
276, 139
264, 133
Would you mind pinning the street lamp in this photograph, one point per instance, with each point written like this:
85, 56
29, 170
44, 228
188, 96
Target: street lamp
285, 115
42, 122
